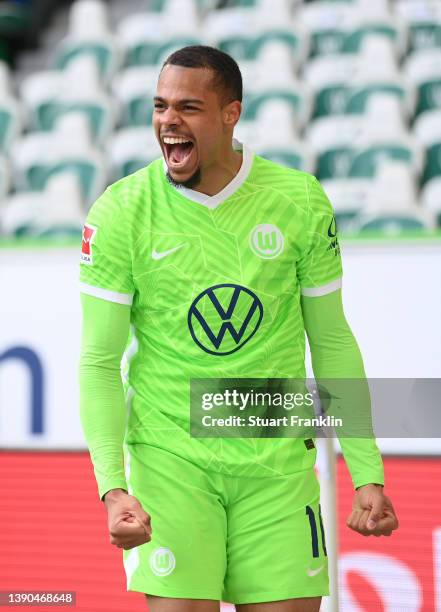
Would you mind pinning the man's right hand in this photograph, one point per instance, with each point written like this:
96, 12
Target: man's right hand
129, 525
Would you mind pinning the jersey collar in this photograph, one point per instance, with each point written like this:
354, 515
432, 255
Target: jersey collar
216, 199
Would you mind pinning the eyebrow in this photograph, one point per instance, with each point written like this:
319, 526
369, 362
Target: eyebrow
186, 101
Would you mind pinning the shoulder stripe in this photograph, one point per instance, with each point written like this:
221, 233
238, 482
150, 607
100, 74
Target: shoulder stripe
106, 294
323, 290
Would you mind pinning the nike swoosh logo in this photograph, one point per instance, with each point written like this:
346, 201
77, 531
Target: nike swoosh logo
156, 255
314, 572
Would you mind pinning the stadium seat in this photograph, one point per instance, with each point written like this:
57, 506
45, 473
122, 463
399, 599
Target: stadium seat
296, 156
231, 29
376, 59
429, 95
369, 160
348, 197
393, 188
332, 100
423, 65
50, 95
330, 70
62, 213
391, 205
431, 197
335, 162
433, 162
5, 178
56, 211
39, 92
134, 88
424, 34
10, 112
40, 155
140, 36
384, 136
180, 17
334, 131
359, 95
327, 41
427, 127
389, 29
89, 33
394, 223
295, 101
20, 211
131, 149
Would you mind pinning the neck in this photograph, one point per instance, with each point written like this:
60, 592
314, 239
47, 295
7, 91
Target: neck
217, 176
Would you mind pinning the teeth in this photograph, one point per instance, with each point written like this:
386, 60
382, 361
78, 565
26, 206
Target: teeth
169, 140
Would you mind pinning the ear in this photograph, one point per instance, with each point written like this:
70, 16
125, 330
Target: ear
231, 113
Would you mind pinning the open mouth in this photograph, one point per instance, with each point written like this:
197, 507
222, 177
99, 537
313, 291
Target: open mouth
178, 151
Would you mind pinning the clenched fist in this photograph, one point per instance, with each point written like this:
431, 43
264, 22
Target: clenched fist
129, 525
372, 512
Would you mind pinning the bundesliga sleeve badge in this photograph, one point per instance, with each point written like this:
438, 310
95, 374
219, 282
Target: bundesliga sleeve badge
86, 247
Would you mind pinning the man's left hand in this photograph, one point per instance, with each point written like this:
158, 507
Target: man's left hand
372, 512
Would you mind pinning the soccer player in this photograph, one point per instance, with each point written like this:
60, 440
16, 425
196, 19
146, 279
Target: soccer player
218, 261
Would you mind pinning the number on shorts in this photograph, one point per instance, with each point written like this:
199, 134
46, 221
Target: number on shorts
313, 526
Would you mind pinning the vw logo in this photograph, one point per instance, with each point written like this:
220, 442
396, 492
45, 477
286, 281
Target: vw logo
224, 317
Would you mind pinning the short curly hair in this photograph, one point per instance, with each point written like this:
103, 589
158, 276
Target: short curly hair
227, 76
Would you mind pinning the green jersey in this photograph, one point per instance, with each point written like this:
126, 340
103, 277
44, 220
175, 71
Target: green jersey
214, 284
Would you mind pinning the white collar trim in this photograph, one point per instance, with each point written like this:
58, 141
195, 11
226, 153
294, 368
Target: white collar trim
216, 199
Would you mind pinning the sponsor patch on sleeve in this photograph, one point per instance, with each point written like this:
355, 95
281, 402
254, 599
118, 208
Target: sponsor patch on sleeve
89, 232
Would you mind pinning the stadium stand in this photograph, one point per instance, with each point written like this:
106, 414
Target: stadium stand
349, 90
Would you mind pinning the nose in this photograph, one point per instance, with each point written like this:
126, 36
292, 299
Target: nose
170, 117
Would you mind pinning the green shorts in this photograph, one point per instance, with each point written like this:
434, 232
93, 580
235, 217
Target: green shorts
236, 539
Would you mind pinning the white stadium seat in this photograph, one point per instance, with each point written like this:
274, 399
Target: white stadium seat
89, 33
39, 155
423, 65
55, 210
427, 127
132, 148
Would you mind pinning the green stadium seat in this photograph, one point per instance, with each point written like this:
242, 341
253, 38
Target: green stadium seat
429, 95
297, 155
433, 162
348, 197
335, 162
5, 178
389, 224
103, 53
89, 34
424, 34
359, 96
51, 95
131, 149
134, 88
367, 161
145, 53
354, 39
41, 155
427, 127
328, 41
55, 212
423, 65
332, 100
254, 103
